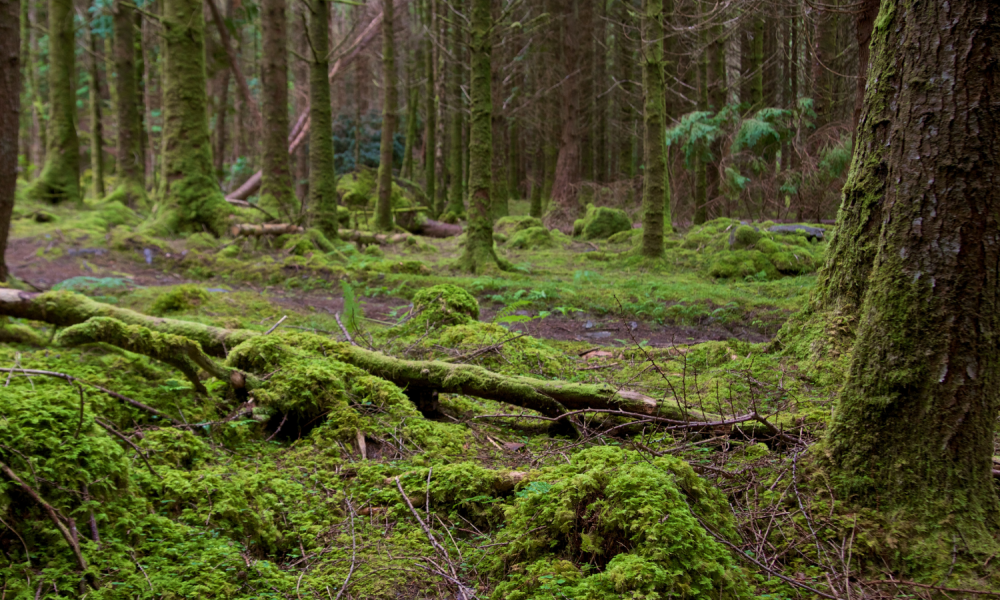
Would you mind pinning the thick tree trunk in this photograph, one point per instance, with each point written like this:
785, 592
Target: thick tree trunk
322, 173
916, 257
130, 173
383, 206
479, 256
60, 177
189, 186
567, 169
10, 110
276, 182
655, 203
406, 171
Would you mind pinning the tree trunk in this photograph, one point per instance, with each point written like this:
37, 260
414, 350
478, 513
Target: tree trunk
130, 173
188, 185
864, 22
24, 59
322, 172
10, 111
383, 206
456, 189
479, 256
430, 112
300, 69
913, 427
60, 177
406, 171
567, 170
276, 181
96, 127
626, 98
655, 204
234, 65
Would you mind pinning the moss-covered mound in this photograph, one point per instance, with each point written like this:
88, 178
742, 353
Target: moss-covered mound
601, 222
634, 518
510, 225
531, 238
726, 248
441, 306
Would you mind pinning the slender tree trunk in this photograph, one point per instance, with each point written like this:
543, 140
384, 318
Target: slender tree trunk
430, 111
456, 188
37, 104
96, 125
60, 177
567, 170
276, 184
864, 22
626, 98
479, 256
500, 194
322, 173
188, 185
406, 171
655, 201
25, 127
10, 111
300, 69
130, 168
913, 427
537, 182
383, 206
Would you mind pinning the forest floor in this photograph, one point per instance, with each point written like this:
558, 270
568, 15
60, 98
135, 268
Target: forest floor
327, 481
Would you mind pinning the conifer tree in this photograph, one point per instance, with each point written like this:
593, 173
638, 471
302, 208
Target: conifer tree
655, 198
322, 184
383, 205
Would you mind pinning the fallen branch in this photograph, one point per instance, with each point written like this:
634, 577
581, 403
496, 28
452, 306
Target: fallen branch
367, 237
57, 520
248, 230
122, 437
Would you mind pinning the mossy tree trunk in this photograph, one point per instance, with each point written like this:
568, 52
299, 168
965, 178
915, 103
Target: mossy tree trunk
10, 110
624, 63
479, 255
190, 192
60, 177
567, 170
322, 176
655, 203
430, 110
130, 168
456, 188
276, 183
383, 205
412, 95
96, 126
916, 254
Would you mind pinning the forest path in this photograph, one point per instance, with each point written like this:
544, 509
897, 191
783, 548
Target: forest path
45, 262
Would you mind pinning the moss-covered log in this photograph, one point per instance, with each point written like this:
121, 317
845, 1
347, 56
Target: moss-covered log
60, 178
250, 230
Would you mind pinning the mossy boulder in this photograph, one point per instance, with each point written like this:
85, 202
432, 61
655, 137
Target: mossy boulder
635, 517
510, 225
441, 306
601, 222
630, 237
179, 298
531, 238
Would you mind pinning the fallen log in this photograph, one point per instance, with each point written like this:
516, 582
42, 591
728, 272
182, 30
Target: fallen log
550, 398
248, 230
437, 229
367, 237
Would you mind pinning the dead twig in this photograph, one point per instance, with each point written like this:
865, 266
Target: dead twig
344, 329
275, 326
122, 437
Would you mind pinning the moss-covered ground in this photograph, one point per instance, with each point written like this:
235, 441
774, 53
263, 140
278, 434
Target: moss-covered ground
325, 481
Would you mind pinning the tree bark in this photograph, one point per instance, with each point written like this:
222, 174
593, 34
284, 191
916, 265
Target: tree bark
479, 256
322, 173
913, 426
189, 187
276, 182
567, 170
60, 177
864, 22
406, 171
10, 110
130, 166
430, 111
655, 203
456, 187
96, 126
383, 205
234, 64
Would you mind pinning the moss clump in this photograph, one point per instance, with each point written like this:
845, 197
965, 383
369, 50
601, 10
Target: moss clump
601, 222
633, 517
179, 298
531, 238
374, 250
14, 333
440, 306
746, 236
509, 225
630, 237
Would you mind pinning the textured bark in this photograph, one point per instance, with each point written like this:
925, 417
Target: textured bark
322, 174
406, 171
96, 126
10, 110
300, 72
625, 60
479, 256
655, 204
130, 173
276, 181
430, 112
456, 187
188, 187
383, 206
567, 170
916, 255
60, 177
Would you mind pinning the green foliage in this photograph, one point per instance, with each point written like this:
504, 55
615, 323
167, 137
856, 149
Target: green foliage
442, 305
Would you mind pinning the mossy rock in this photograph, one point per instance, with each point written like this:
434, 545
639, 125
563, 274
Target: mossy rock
441, 306
630, 237
727, 248
601, 222
509, 225
531, 238
179, 298
637, 515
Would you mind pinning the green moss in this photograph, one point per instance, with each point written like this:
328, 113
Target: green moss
531, 238
512, 224
442, 305
630, 237
15, 333
601, 222
746, 236
373, 250
632, 515
179, 298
